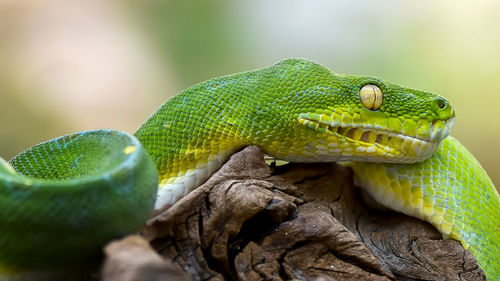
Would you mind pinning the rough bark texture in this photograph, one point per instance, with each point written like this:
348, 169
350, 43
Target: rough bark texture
305, 222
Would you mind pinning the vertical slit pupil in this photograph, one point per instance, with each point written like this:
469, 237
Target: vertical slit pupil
374, 96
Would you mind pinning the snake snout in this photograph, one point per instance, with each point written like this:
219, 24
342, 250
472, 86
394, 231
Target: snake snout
442, 108
445, 118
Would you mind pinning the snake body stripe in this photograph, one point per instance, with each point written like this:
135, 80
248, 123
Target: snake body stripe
297, 110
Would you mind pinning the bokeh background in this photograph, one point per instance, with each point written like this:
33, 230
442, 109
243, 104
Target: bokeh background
67, 66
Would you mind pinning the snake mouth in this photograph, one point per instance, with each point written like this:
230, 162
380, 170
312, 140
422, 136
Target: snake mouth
369, 140
373, 142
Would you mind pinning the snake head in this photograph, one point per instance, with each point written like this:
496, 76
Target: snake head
343, 118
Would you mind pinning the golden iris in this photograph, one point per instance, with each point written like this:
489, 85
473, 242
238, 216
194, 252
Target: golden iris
371, 97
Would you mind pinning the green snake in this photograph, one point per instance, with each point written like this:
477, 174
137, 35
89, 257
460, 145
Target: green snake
75, 193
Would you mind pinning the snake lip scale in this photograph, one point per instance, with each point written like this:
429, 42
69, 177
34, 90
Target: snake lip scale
369, 138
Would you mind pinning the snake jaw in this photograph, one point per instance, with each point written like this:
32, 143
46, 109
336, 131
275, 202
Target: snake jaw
377, 143
440, 129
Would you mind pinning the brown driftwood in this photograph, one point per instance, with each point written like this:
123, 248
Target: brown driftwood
132, 259
305, 222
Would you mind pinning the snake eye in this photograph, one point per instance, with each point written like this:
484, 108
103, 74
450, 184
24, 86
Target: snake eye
371, 97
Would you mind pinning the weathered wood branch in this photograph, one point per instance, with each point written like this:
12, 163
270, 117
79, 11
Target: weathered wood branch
299, 221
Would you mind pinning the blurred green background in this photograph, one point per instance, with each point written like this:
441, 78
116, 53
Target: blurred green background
67, 66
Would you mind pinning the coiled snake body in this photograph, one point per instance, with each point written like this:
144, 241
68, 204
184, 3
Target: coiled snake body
73, 194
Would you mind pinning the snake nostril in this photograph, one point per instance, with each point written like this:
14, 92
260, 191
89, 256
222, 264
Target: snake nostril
442, 108
441, 103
